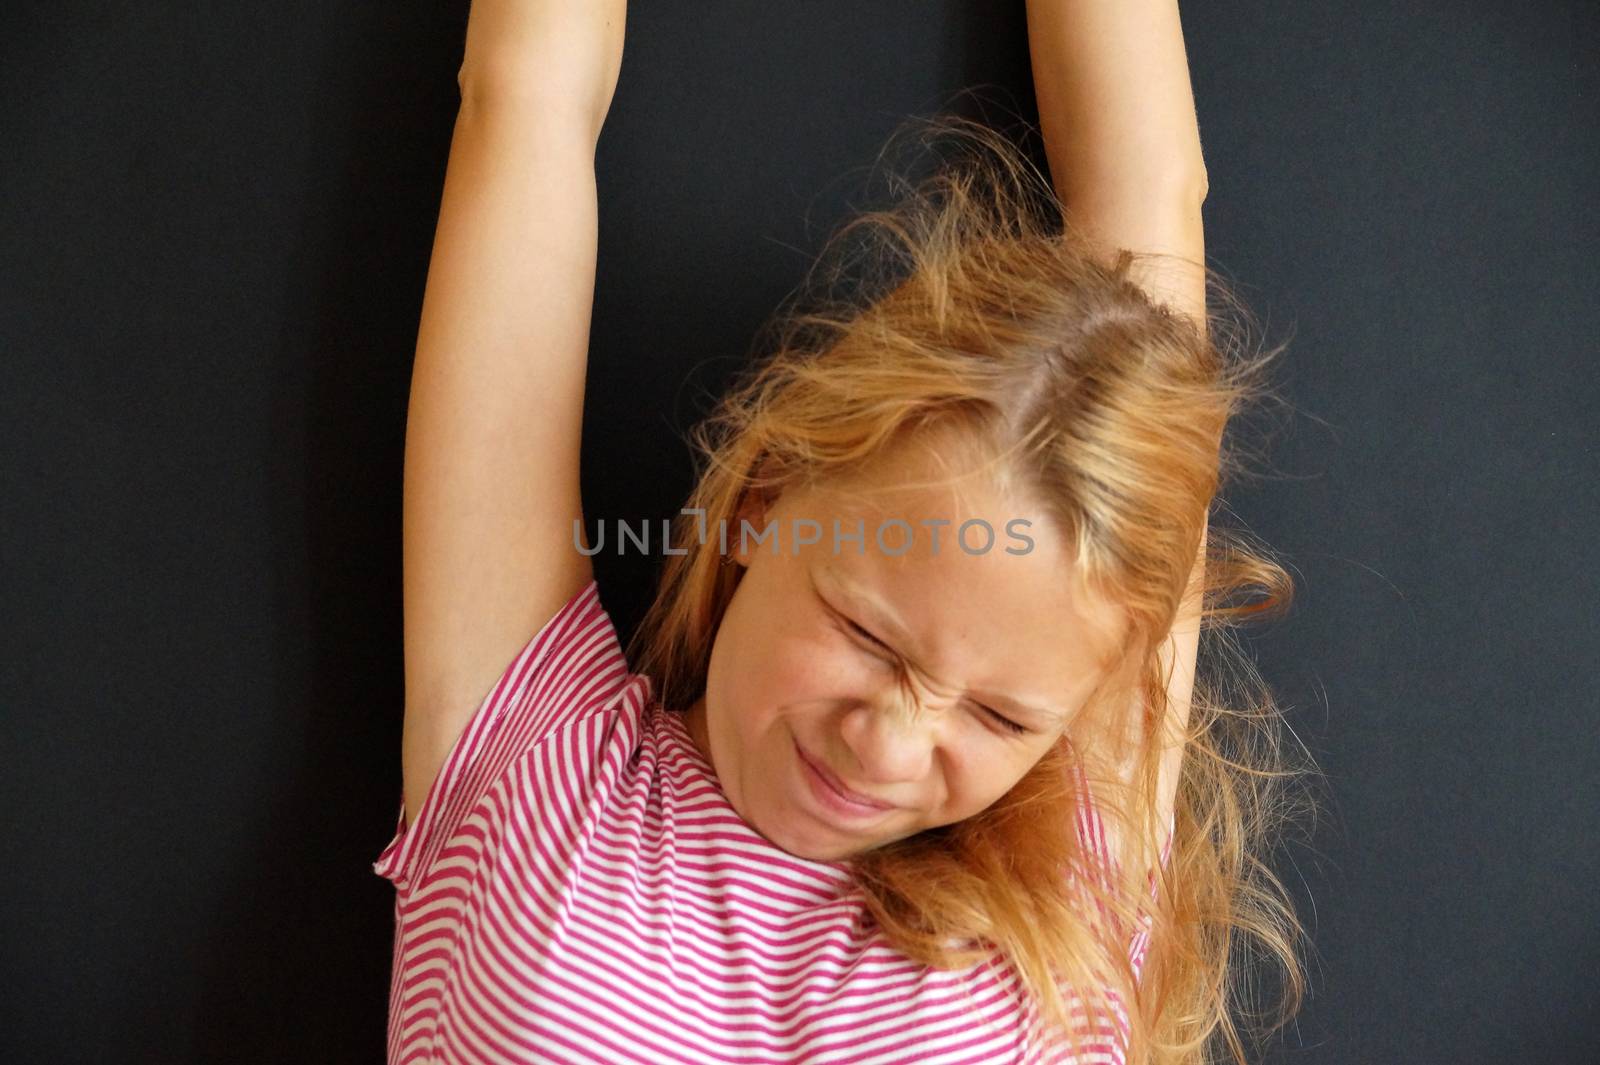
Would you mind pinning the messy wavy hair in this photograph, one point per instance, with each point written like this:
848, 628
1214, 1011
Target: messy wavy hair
969, 303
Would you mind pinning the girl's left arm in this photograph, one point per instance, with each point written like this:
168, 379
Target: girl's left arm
1120, 134
1117, 114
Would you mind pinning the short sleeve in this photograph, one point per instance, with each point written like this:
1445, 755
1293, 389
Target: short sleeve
1140, 944
571, 668
1094, 837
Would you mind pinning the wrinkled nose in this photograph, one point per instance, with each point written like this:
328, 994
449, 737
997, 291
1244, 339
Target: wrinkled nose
891, 736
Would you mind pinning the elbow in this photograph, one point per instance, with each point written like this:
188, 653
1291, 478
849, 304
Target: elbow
1189, 182
1173, 185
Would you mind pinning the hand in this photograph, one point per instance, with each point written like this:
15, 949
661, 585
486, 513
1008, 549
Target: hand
565, 54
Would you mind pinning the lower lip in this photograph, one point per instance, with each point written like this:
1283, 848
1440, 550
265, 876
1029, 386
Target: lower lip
831, 800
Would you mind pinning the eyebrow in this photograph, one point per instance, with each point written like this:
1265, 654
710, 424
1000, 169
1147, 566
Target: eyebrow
883, 618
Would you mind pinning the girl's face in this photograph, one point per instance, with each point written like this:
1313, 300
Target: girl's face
926, 682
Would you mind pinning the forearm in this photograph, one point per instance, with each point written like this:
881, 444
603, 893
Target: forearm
1115, 105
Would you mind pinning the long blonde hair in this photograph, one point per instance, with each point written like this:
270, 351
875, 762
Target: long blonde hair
978, 309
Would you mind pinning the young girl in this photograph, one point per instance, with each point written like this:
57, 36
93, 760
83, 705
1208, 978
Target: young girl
910, 763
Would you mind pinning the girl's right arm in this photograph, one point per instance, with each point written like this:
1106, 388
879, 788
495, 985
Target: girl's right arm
491, 486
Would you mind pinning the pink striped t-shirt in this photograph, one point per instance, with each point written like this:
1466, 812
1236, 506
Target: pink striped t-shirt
577, 888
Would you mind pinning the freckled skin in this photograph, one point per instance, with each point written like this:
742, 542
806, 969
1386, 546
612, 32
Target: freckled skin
786, 667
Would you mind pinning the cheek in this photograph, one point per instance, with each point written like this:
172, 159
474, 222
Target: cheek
970, 790
772, 669
812, 662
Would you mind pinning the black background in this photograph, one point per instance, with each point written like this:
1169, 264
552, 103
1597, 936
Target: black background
214, 229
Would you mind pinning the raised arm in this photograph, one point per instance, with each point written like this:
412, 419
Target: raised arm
1117, 114
1112, 83
492, 432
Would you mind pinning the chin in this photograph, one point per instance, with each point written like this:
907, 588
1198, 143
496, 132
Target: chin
793, 834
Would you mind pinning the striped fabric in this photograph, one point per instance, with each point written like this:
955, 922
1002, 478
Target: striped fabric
577, 888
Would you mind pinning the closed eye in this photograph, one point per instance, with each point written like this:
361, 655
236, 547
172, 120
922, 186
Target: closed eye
883, 651
877, 644
1006, 722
